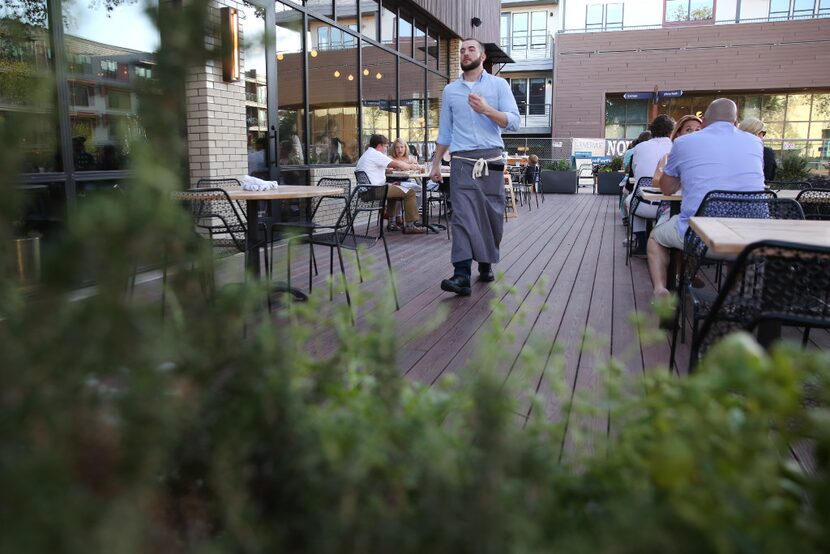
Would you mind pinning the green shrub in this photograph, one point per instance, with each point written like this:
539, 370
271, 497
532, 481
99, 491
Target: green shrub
792, 168
215, 430
558, 165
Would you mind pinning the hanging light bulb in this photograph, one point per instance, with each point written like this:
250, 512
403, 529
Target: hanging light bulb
280, 56
366, 71
351, 77
378, 75
336, 74
313, 53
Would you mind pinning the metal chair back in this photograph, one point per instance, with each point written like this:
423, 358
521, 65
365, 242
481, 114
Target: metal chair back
815, 203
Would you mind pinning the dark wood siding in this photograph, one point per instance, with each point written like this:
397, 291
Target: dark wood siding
457, 14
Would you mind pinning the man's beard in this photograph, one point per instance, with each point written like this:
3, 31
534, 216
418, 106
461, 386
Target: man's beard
472, 65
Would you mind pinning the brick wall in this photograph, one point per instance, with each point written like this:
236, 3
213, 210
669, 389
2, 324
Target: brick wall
789, 55
216, 131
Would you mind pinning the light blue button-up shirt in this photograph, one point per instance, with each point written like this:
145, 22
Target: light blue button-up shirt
461, 128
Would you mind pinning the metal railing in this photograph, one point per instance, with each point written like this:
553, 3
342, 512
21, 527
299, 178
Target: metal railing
534, 115
521, 47
698, 23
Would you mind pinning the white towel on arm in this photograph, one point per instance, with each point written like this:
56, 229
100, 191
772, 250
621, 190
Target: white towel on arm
249, 182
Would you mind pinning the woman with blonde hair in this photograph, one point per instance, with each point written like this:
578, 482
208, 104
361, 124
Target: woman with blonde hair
402, 189
755, 126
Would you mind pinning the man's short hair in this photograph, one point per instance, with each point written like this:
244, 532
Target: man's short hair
662, 126
480, 44
377, 140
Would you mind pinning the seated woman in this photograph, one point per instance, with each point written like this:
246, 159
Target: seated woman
755, 126
685, 125
400, 152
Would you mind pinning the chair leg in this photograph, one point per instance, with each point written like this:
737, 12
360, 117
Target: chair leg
288, 263
359, 269
331, 274
805, 338
314, 260
345, 281
391, 274
310, 261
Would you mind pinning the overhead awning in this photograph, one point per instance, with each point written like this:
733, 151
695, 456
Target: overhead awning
495, 54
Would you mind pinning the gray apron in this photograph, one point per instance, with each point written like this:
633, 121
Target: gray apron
477, 208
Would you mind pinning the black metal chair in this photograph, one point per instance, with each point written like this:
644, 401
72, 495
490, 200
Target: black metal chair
441, 196
636, 199
815, 203
788, 185
363, 199
532, 178
520, 188
308, 226
723, 204
772, 283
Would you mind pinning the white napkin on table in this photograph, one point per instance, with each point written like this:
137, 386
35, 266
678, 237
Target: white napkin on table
249, 182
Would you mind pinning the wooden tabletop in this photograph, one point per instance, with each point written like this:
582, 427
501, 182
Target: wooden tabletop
730, 236
283, 192
655, 195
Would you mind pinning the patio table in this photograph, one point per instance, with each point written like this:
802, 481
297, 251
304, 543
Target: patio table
423, 177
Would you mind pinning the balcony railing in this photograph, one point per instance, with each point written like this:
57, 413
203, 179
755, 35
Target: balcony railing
520, 47
534, 115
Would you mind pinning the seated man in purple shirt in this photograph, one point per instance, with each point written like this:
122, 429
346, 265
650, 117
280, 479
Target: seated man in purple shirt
719, 157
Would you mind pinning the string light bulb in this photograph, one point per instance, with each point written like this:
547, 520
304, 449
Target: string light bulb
378, 75
313, 53
366, 71
336, 74
280, 56
351, 77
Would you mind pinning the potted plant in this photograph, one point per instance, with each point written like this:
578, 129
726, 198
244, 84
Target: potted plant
793, 169
558, 177
609, 176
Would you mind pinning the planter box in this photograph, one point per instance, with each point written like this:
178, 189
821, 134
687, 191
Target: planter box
609, 183
558, 182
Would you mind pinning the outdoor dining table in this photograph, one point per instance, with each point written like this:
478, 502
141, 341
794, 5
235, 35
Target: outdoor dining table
423, 176
730, 236
281, 193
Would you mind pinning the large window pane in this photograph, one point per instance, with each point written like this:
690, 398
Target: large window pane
614, 111
637, 111
27, 86
420, 46
779, 8
413, 116
256, 90
369, 18
504, 31
520, 30
290, 99
432, 50
701, 9
593, 16
519, 88
614, 16
111, 47
821, 106
332, 82
380, 105
536, 95
677, 10
405, 34
538, 29
772, 107
803, 8
388, 24
435, 88
798, 107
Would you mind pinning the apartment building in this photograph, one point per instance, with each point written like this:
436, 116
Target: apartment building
619, 63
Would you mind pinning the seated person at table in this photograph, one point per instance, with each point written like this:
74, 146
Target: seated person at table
644, 161
374, 162
719, 157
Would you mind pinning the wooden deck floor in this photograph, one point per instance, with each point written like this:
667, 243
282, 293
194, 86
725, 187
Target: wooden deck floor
569, 252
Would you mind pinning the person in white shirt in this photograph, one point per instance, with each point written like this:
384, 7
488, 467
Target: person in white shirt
719, 157
644, 161
374, 163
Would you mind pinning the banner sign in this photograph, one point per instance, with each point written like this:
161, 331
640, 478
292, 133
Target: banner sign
616, 147
591, 146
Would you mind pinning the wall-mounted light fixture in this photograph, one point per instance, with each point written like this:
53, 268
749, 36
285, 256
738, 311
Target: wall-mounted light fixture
230, 44
475, 22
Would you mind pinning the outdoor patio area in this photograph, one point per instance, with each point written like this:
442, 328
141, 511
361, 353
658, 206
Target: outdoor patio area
570, 251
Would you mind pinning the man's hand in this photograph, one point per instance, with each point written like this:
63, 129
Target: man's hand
435, 174
478, 104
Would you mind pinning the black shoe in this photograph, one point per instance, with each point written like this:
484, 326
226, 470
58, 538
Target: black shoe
457, 284
486, 276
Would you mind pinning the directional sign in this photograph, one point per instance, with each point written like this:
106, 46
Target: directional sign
638, 95
669, 93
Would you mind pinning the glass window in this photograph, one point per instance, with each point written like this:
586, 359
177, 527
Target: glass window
519, 88
504, 31
796, 130
614, 131
593, 16
751, 107
824, 7
538, 29
798, 107
614, 111
772, 107
636, 111
322, 39
779, 9
689, 10
388, 24
614, 16
332, 84
519, 30
819, 130
380, 104
432, 50
405, 34
803, 8
536, 97
412, 105
369, 18
633, 131
420, 46
435, 88
119, 37
290, 97
821, 106
260, 158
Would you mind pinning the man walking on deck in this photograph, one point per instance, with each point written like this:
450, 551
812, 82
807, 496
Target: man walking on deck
474, 110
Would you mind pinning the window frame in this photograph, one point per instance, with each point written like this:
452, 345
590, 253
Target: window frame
688, 22
815, 11
604, 25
